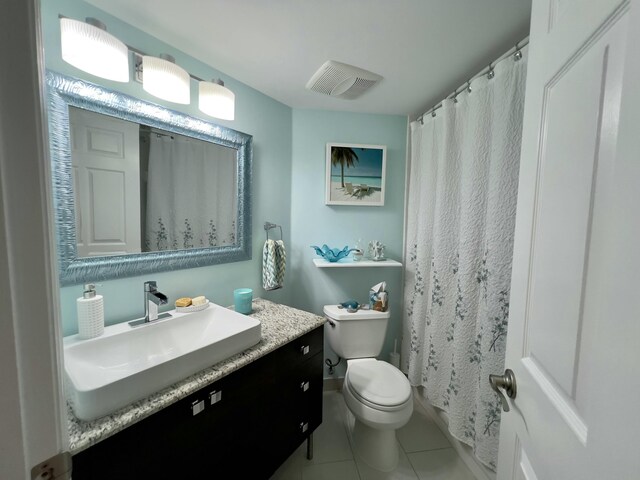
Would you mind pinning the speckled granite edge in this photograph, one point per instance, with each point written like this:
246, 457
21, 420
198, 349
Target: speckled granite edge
280, 325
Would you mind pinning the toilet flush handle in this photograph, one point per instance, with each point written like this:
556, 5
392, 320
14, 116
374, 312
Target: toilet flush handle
331, 322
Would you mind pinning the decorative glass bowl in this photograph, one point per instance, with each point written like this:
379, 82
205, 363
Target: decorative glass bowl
332, 254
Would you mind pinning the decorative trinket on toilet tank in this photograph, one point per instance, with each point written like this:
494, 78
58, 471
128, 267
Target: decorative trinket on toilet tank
351, 306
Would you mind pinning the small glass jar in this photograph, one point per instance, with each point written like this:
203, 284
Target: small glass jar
358, 253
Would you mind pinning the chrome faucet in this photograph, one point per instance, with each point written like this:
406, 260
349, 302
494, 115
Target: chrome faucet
152, 298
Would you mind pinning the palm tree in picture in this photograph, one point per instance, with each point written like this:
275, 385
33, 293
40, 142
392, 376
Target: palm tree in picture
343, 156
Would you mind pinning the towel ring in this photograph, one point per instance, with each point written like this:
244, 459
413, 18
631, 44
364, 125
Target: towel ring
268, 226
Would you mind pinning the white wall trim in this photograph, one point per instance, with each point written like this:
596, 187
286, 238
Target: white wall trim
441, 419
332, 384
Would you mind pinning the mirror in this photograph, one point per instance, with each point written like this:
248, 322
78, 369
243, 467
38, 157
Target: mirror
139, 188
142, 189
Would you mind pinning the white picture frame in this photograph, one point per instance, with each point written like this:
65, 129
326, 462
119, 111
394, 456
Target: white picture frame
355, 174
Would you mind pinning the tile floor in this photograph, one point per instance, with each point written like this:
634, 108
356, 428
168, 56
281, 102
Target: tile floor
425, 454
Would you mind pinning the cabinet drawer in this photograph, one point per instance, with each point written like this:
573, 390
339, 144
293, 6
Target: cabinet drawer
305, 382
303, 348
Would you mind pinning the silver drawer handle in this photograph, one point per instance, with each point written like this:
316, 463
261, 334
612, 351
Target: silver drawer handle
304, 349
197, 407
304, 426
215, 397
304, 386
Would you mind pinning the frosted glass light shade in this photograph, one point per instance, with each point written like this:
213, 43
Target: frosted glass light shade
93, 50
216, 100
166, 80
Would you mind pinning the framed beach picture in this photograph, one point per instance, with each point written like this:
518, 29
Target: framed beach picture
355, 174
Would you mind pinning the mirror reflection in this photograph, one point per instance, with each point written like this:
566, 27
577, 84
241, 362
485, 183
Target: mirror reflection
182, 201
142, 189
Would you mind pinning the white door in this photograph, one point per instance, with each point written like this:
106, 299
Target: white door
32, 408
106, 174
567, 345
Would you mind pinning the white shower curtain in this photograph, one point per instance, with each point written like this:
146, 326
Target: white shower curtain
191, 194
459, 243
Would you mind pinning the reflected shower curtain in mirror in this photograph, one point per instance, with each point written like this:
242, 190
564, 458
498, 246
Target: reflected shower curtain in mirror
191, 194
459, 242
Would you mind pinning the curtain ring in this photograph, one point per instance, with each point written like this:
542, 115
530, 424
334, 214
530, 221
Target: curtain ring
518, 54
491, 73
469, 86
422, 120
433, 114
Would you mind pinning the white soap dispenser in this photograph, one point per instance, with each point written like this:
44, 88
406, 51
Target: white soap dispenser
90, 313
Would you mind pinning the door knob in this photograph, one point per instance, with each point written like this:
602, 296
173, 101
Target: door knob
506, 382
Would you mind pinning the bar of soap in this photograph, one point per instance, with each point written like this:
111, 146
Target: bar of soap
183, 302
198, 301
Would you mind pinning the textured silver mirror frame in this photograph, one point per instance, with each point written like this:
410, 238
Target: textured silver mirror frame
63, 91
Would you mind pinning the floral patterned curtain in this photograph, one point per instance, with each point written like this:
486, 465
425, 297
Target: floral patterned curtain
191, 194
459, 244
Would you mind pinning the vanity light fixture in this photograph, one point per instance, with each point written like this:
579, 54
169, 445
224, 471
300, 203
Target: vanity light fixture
88, 46
216, 100
162, 78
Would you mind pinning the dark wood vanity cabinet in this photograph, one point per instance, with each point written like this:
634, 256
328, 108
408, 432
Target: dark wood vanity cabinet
252, 420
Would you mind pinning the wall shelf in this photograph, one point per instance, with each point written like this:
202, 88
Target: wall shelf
349, 263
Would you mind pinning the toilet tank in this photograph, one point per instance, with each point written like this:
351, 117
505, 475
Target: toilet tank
356, 335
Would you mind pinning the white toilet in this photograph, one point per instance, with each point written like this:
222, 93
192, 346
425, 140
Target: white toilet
376, 392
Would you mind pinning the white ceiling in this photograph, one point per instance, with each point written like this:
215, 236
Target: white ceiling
423, 48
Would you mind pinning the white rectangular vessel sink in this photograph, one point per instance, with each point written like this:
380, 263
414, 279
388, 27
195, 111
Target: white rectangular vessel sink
127, 364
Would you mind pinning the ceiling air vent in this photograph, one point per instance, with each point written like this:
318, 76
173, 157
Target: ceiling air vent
342, 80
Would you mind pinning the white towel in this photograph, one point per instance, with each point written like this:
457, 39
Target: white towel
274, 262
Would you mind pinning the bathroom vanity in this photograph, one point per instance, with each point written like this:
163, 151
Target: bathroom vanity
240, 418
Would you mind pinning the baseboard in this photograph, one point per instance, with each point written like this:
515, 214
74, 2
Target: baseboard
441, 419
331, 384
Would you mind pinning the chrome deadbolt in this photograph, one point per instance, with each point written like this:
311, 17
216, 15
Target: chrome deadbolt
506, 382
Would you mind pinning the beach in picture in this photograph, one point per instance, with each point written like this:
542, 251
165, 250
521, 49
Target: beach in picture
356, 174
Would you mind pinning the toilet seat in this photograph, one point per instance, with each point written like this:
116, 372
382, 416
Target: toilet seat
377, 384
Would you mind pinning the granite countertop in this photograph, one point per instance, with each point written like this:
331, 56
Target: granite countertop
280, 325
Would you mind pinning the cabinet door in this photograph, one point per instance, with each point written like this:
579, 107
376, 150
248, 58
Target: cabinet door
303, 348
171, 444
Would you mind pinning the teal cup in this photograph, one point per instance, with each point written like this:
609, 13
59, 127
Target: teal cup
242, 300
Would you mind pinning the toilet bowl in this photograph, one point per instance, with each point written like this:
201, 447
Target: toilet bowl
379, 397
375, 392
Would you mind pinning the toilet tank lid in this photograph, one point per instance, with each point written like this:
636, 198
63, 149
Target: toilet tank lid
335, 313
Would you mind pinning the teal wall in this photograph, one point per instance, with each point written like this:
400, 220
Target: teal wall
314, 223
288, 189
266, 119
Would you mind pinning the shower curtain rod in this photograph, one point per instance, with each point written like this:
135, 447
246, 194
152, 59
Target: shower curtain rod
485, 71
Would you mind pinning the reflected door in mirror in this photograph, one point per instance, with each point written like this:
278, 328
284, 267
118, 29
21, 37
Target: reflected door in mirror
105, 158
